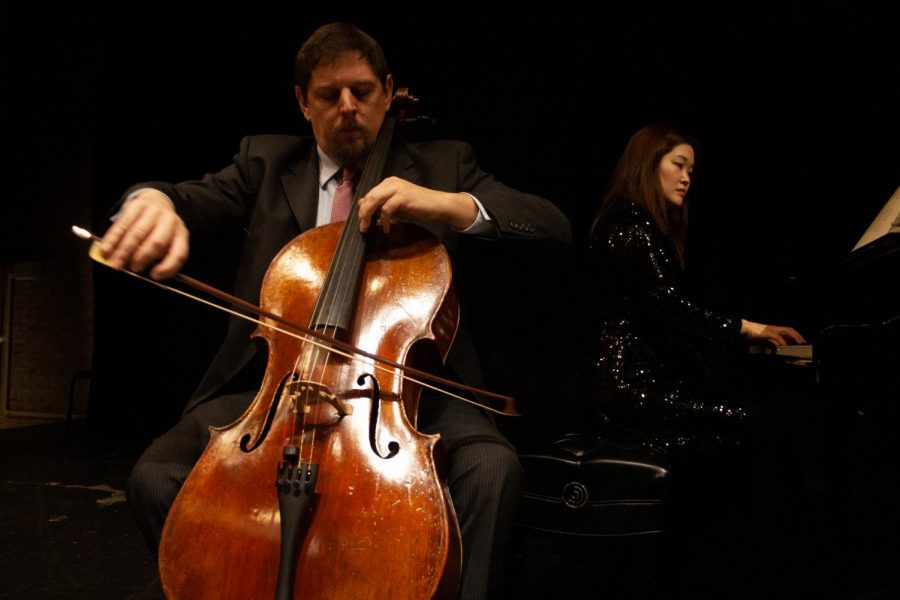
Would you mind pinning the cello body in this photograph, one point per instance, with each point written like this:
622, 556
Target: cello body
380, 522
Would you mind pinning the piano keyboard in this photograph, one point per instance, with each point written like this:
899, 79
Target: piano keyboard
795, 351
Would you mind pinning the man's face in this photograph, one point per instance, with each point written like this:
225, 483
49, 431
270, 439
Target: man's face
346, 105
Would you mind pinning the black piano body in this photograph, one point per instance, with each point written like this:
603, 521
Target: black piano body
853, 318
847, 405
857, 350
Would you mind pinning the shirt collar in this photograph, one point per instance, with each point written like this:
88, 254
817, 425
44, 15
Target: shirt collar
327, 168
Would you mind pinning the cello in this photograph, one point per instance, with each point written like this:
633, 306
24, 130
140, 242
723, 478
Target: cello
323, 488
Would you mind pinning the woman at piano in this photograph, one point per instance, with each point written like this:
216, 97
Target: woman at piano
647, 373
646, 336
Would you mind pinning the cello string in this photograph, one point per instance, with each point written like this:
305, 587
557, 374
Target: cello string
317, 360
343, 284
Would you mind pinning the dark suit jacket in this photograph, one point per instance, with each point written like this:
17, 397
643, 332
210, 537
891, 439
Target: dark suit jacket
269, 195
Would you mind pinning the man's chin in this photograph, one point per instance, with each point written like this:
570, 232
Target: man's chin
351, 153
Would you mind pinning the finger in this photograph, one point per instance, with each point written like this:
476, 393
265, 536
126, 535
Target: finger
113, 236
365, 219
369, 207
148, 238
142, 242
772, 334
795, 335
175, 258
385, 218
130, 240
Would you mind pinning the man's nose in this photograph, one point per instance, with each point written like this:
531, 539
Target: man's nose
347, 101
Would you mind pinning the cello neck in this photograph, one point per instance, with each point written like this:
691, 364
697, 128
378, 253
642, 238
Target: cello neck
335, 305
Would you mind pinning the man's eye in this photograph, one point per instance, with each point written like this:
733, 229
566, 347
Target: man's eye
329, 96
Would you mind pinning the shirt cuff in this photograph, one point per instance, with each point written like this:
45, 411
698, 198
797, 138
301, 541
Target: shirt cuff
134, 195
482, 222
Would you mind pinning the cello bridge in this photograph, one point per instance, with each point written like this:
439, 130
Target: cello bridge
304, 393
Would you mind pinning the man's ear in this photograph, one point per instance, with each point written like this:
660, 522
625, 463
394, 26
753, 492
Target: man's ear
301, 100
389, 91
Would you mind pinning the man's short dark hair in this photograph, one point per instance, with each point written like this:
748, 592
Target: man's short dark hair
330, 41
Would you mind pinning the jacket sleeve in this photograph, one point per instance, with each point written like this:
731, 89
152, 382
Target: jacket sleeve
647, 262
515, 214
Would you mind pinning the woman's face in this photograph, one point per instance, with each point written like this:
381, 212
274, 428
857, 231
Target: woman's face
675, 170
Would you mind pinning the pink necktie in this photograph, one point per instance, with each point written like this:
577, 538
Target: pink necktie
343, 197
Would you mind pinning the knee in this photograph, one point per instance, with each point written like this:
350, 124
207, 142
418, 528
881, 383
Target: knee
497, 470
152, 486
139, 487
510, 470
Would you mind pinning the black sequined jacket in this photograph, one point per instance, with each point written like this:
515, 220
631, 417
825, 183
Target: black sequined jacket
646, 336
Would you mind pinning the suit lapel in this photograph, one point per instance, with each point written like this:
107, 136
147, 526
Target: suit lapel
301, 186
400, 163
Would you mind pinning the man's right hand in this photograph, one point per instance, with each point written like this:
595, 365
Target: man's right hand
147, 231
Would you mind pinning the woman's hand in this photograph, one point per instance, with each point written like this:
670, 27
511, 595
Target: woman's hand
777, 335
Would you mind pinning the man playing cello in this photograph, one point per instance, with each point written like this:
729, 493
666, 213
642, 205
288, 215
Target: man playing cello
278, 187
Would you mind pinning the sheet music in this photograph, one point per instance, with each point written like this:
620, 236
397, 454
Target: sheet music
887, 220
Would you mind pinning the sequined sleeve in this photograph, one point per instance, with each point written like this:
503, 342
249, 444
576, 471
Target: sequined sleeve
642, 262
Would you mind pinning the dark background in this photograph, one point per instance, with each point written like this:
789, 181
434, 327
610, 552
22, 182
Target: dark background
795, 109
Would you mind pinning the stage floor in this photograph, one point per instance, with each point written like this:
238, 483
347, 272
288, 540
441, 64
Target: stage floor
66, 533
65, 529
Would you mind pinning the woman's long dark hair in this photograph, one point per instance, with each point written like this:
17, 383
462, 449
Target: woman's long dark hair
636, 179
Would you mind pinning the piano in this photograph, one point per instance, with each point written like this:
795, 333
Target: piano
841, 394
851, 316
